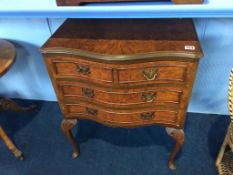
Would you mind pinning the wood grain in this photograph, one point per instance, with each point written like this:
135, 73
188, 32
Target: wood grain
116, 39
79, 2
123, 118
124, 73
188, 1
120, 98
7, 56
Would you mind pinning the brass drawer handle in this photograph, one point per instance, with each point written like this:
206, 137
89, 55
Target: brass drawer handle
91, 111
88, 92
148, 97
85, 70
148, 116
150, 74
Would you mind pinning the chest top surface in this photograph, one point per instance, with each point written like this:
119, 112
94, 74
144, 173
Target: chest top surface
126, 39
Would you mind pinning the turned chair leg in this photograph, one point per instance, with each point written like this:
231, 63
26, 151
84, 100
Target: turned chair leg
11, 146
179, 137
67, 125
7, 104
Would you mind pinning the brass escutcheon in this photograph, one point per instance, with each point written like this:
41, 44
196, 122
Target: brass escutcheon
148, 97
91, 111
150, 74
85, 70
88, 92
147, 116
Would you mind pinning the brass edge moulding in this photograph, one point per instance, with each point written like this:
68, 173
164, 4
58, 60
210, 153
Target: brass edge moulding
159, 54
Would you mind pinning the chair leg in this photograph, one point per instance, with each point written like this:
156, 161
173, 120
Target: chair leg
222, 150
7, 104
11, 146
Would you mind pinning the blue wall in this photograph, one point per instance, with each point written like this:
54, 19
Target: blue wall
28, 78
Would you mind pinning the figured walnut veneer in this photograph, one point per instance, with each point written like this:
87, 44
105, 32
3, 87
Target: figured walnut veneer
124, 73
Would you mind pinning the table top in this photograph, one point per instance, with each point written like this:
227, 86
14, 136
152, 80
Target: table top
7, 56
165, 9
127, 39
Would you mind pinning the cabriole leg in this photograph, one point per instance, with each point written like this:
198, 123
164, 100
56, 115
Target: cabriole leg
179, 137
67, 125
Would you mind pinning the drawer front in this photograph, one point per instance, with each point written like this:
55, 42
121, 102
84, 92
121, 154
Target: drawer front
164, 117
120, 74
161, 95
157, 72
87, 70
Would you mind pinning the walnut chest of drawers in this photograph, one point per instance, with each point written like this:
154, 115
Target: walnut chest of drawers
124, 73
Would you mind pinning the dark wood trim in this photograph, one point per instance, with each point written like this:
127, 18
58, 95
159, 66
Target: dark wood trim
80, 2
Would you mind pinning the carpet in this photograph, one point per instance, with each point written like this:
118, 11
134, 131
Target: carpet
105, 150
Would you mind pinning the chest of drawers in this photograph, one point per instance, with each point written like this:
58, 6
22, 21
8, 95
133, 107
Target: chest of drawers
124, 73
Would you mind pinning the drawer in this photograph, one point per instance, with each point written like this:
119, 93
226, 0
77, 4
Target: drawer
128, 117
119, 74
120, 97
84, 69
154, 72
